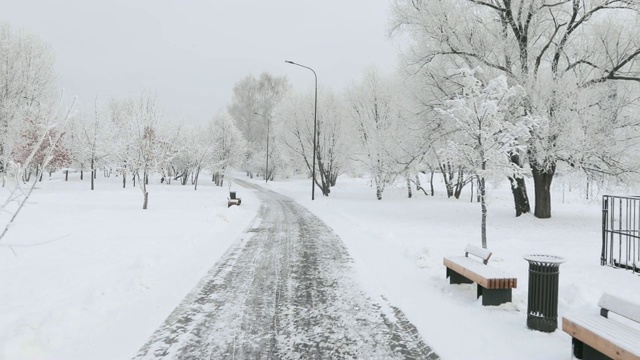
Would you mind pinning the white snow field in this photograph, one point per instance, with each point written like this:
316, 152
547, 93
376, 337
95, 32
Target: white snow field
90, 275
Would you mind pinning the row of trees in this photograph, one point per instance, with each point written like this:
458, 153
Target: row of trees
127, 136
490, 89
575, 61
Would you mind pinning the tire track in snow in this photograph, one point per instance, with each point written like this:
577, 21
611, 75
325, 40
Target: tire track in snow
284, 291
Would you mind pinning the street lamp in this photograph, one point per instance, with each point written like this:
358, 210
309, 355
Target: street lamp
266, 169
315, 126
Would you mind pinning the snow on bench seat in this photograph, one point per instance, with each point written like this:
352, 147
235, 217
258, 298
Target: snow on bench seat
494, 285
606, 336
484, 275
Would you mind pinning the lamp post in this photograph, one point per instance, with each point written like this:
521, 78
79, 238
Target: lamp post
266, 169
315, 126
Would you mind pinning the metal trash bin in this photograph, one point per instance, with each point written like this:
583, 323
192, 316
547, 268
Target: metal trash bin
542, 307
232, 195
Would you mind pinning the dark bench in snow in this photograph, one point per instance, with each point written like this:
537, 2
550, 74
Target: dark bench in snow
596, 336
494, 285
233, 200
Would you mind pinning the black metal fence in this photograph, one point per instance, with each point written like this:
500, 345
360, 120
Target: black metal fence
621, 232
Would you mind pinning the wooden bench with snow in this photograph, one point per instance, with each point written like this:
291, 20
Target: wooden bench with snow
233, 199
494, 285
598, 336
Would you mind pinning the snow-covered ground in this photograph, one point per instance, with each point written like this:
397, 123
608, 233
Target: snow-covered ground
93, 275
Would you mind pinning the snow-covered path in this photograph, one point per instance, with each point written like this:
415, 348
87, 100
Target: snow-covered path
284, 290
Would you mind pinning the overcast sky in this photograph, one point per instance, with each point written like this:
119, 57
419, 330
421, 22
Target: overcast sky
192, 52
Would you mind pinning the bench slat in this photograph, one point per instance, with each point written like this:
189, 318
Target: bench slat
620, 306
611, 338
486, 276
482, 253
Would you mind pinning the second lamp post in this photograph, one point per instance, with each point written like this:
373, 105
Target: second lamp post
315, 126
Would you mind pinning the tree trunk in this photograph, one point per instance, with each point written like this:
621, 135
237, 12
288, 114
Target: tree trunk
81, 174
542, 183
431, 183
418, 184
409, 194
146, 200
519, 190
447, 175
379, 191
471, 191
459, 183
195, 180
66, 175
520, 198
483, 205
93, 170
334, 177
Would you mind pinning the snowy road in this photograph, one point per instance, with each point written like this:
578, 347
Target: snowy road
285, 290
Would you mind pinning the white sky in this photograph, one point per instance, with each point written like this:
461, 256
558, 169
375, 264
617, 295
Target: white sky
192, 52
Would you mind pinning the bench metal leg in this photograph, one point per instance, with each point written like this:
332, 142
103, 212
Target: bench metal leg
455, 278
577, 348
590, 353
494, 296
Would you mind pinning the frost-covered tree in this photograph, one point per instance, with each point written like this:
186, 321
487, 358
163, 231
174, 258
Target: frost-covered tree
296, 113
143, 116
486, 130
334, 140
120, 113
556, 50
296, 129
181, 166
43, 154
385, 141
253, 96
228, 146
94, 135
171, 146
198, 148
26, 87
40, 149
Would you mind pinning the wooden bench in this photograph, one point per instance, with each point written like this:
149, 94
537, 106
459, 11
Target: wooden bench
236, 201
233, 200
596, 336
494, 285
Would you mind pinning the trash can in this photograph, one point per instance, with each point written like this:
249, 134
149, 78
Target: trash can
232, 195
542, 308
